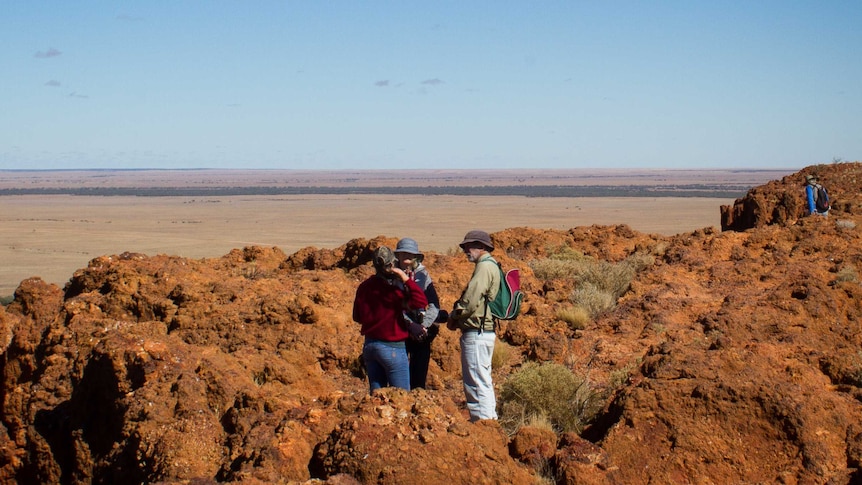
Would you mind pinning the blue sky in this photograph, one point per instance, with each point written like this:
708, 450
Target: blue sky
382, 85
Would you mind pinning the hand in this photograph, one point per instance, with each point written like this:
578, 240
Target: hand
416, 331
398, 272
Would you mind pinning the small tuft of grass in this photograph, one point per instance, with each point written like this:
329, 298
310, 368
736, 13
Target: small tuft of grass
576, 317
847, 274
619, 377
845, 224
454, 251
594, 300
540, 421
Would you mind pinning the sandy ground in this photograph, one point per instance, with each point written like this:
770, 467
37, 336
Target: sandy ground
52, 236
19, 179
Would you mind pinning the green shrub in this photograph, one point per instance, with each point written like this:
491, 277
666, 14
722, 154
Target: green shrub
547, 391
5, 300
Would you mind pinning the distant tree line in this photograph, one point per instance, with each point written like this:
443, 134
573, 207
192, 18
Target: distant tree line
692, 190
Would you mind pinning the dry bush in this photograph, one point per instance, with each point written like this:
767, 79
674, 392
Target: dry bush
594, 300
601, 284
576, 317
502, 354
565, 253
547, 390
551, 269
639, 261
562, 262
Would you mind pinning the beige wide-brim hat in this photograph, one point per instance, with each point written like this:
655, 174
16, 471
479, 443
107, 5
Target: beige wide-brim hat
811, 178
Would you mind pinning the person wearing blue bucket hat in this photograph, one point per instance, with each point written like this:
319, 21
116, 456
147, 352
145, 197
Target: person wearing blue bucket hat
419, 347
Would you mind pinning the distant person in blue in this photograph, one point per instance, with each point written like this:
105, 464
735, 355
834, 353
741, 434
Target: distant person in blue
816, 198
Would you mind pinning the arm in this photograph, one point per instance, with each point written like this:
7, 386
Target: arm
416, 299
472, 301
433, 306
424, 282
809, 194
360, 304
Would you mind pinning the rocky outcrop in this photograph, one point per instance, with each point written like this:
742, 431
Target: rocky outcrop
783, 201
735, 358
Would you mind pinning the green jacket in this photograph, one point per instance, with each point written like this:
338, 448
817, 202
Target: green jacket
470, 309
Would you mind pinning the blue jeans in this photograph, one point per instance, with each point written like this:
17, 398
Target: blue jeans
386, 364
476, 352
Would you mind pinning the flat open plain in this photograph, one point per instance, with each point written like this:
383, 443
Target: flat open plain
51, 236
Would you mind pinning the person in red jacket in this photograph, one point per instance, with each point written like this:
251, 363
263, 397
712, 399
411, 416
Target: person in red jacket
379, 307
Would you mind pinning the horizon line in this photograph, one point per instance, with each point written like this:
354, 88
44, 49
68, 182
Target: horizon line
523, 169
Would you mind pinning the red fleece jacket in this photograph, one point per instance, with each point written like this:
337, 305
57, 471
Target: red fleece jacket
378, 306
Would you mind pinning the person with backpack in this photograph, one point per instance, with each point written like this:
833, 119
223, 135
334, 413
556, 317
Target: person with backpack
470, 315
816, 197
419, 349
379, 307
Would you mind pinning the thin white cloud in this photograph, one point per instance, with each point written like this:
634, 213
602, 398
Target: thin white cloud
433, 82
129, 18
382, 84
51, 52
79, 96
52, 83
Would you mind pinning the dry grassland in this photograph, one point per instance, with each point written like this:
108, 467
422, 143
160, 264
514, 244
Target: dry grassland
52, 236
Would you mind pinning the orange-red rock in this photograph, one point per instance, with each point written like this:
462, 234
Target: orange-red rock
740, 354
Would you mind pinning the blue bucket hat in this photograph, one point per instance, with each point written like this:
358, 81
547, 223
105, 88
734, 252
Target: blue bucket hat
409, 246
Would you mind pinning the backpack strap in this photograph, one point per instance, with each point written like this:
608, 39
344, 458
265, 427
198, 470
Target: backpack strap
487, 299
